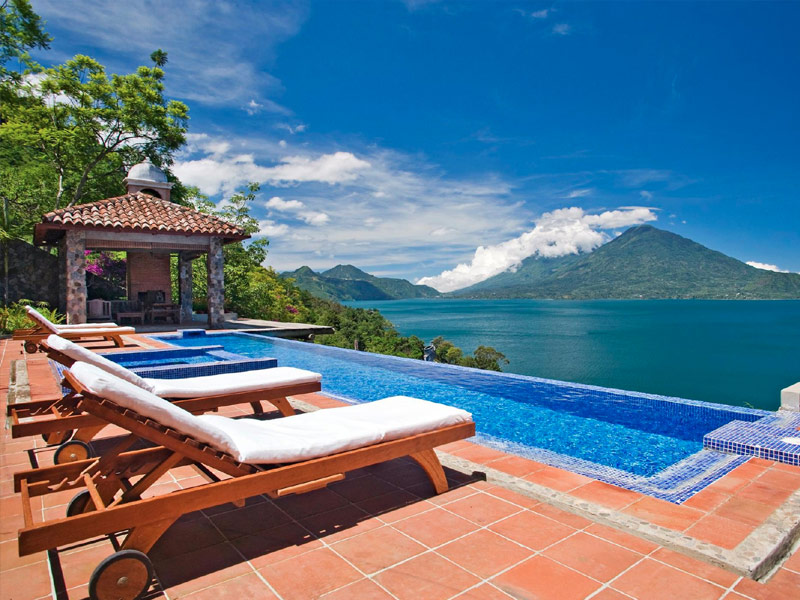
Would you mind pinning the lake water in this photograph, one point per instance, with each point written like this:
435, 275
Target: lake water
740, 353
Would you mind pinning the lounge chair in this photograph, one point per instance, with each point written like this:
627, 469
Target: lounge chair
57, 419
45, 327
280, 457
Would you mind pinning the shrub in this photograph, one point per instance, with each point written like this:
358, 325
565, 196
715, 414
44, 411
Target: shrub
14, 317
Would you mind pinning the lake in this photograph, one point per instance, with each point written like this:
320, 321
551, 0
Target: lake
732, 352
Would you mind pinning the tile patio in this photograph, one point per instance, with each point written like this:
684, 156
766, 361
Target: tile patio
381, 533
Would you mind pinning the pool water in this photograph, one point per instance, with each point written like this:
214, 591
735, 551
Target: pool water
638, 434
163, 362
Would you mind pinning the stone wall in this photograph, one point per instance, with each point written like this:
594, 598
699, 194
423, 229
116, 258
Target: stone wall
32, 273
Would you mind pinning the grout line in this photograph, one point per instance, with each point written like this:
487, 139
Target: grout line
752, 557
242, 556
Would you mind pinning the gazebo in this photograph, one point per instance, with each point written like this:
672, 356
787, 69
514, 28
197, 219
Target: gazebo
150, 228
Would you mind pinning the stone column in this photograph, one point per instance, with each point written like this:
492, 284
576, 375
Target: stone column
75, 269
185, 285
216, 284
62, 275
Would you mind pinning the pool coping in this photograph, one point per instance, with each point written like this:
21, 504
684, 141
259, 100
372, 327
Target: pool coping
755, 557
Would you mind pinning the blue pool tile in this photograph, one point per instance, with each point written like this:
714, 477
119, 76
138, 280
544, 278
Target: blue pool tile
644, 442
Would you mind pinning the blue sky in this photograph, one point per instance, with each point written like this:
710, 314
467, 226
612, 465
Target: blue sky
411, 137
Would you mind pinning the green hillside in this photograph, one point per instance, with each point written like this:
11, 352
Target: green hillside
346, 282
643, 262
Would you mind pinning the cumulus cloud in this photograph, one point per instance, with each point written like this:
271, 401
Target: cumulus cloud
224, 172
277, 203
557, 233
315, 218
269, 228
540, 14
765, 266
333, 168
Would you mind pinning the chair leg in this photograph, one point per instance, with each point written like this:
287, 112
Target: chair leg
143, 537
282, 404
428, 460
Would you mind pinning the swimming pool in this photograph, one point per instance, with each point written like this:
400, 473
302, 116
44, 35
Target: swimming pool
640, 441
164, 358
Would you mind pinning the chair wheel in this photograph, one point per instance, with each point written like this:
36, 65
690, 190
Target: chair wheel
72, 451
78, 503
31, 347
60, 437
125, 575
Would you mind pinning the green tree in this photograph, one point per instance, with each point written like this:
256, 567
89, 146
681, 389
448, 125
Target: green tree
484, 357
20, 31
88, 126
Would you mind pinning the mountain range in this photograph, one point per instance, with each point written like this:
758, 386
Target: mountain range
346, 282
643, 262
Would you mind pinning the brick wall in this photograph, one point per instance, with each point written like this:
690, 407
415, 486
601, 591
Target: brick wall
148, 271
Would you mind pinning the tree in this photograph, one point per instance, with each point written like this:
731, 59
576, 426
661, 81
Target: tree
88, 126
20, 31
484, 357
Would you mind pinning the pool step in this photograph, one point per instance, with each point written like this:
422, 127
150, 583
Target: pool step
773, 438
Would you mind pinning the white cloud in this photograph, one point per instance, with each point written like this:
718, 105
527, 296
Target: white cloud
442, 231
333, 168
540, 14
579, 193
292, 129
278, 203
316, 219
270, 228
557, 233
225, 172
253, 107
647, 195
765, 267
243, 39
562, 29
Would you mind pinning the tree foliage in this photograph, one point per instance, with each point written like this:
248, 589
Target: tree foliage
20, 31
484, 357
69, 133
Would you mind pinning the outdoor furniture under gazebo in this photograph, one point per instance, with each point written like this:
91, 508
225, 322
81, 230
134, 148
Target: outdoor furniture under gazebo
150, 228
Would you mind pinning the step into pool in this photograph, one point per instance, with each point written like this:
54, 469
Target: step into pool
647, 443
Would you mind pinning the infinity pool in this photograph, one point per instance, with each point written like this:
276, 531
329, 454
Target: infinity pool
626, 438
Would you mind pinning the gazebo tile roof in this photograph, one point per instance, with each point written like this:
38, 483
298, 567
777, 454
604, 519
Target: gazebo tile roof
140, 212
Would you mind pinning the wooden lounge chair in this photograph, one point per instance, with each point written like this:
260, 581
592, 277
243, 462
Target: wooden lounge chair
84, 331
61, 421
279, 457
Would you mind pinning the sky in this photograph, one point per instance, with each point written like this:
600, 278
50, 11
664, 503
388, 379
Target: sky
443, 142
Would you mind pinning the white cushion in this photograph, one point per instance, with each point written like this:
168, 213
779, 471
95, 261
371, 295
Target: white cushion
227, 383
124, 393
90, 331
79, 353
41, 319
37, 316
290, 439
107, 325
328, 431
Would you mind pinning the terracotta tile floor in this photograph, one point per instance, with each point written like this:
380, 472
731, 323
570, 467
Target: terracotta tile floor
381, 534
